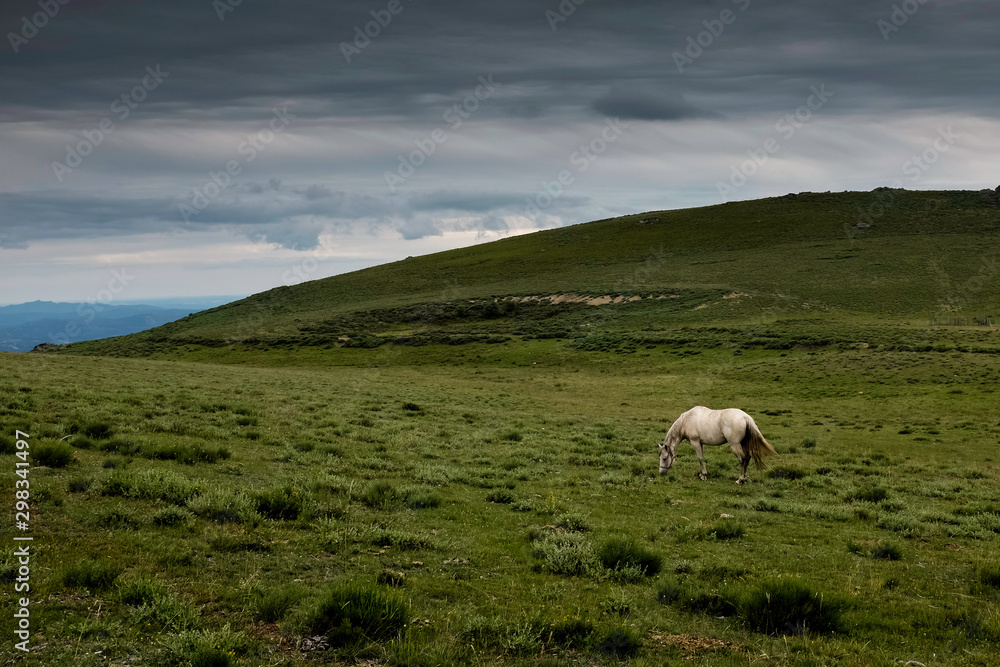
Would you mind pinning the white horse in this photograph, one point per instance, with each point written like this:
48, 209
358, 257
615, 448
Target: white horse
701, 426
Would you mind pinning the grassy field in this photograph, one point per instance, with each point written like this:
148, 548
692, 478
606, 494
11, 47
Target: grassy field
498, 503
452, 459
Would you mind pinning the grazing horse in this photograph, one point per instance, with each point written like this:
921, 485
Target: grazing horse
701, 426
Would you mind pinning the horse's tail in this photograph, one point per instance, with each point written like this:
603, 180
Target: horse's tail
756, 444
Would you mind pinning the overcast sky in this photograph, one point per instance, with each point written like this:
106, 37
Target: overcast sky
157, 148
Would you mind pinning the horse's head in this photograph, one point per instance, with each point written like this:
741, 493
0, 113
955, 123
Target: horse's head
666, 458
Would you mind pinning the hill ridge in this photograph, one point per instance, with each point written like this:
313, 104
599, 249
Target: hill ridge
897, 254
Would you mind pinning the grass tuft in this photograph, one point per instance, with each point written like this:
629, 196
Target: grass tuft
94, 575
353, 612
623, 642
274, 604
281, 503
790, 607
53, 454
617, 554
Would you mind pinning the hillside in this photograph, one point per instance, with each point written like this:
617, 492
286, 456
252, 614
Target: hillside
887, 255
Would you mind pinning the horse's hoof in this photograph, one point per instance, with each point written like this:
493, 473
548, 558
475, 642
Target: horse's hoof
741, 481
703, 477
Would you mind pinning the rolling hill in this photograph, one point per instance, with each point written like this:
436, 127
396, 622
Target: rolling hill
872, 258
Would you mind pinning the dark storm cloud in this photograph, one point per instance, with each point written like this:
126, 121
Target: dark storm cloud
647, 103
268, 53
268, 212
605, 59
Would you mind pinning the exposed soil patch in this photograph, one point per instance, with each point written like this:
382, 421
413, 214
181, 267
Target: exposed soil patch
690, 644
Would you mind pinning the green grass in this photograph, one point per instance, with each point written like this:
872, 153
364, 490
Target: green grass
441, 500
489, 462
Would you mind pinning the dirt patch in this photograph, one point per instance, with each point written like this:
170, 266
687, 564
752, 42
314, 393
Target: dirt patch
582, 298
690, 644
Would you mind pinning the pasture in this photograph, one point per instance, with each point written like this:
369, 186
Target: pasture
501, 505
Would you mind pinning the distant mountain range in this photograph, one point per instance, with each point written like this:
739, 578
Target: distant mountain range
23, 326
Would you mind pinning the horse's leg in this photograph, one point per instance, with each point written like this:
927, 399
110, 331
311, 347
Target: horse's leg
700, 451
743, 457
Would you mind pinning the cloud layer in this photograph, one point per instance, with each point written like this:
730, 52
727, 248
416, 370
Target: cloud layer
279, 123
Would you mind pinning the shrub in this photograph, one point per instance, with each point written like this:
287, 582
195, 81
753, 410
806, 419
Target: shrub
224, 506
382, 495
79, 484
789, 607
274, 604
82, 442
97, 430
500, 496
139, 592
481, 632
173, 516
52, 454
187, 454
566, 553
881, 550
421, 499
669, 591
120, 517
412, 407
351, 612
93, 575
621, 642
712, 602
809, 443
886, 551
282, 503
617, 554
205, 648
573, 523
151, 485
725, 529
872, 494
989, 575
571, 632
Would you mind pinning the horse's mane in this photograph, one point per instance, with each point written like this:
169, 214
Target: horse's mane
675, 429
